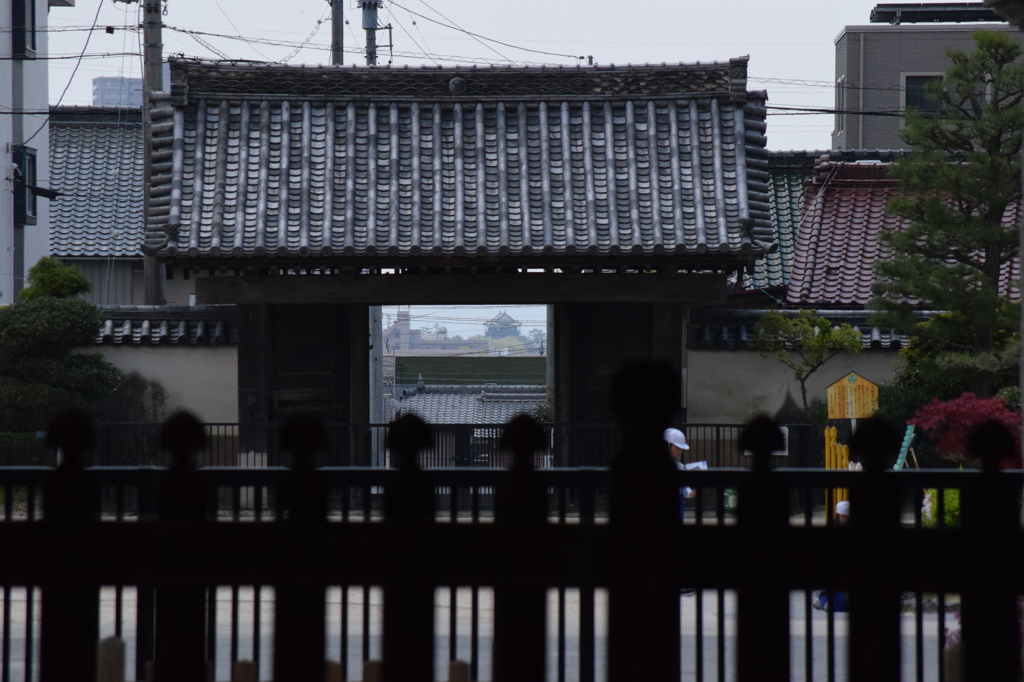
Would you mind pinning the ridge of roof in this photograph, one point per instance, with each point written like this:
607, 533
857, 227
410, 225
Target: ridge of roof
192, 79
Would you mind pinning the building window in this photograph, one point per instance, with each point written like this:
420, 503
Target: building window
916, 96
840, 105
23, 29
25, 212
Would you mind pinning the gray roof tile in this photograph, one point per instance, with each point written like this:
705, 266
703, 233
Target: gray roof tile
96, 163
158, 325
378, 163
469, 404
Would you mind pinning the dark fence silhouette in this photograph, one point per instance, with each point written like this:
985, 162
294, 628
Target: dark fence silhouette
319, 540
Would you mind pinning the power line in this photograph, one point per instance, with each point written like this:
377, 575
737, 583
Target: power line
79, 57
88, 37
479, 37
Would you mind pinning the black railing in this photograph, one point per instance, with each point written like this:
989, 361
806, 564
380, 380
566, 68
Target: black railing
455, 445
466, 557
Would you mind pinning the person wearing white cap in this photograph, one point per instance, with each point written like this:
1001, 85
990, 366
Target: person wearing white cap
842, 512
837, 601
676, 444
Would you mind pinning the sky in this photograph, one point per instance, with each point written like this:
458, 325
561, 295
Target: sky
790, 44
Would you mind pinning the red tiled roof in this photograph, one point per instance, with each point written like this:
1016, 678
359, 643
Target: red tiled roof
838, 242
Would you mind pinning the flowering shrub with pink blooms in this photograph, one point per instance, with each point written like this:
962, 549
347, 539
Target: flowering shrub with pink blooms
949, 423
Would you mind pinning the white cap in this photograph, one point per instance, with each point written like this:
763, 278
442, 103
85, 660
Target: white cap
843, 507
676, 437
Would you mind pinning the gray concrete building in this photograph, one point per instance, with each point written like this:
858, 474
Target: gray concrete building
882, 69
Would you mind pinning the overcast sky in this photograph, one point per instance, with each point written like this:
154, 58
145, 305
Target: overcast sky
790, 44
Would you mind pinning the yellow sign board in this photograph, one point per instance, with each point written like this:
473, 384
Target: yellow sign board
852, 397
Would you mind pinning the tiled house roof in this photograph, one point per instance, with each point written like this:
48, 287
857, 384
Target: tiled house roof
711, 329
838, 240
788, 174
469, 404
169, 325
96, 163
265, 163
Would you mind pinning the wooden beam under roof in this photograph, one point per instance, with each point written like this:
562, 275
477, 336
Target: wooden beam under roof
429, 289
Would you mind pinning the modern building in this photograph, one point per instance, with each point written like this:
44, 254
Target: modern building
24, 140
112, 91
883, 69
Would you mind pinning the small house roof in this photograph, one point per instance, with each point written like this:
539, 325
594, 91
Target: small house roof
838, 241
311, 166
96, 165
486, 404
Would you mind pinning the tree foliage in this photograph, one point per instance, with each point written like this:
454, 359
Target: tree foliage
50, 277
961, 176
43, 370
949, 423
803, 343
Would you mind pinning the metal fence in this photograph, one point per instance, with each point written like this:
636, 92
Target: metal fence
466, 558
455, 445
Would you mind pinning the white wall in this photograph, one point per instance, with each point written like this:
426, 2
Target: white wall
24, 85
730, 387
202, 380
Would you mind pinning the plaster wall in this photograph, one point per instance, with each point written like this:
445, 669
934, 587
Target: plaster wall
731, 387
203, 381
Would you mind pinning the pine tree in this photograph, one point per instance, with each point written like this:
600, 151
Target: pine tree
959, 180
43, 369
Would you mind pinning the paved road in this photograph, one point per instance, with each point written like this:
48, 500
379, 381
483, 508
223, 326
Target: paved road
688, 610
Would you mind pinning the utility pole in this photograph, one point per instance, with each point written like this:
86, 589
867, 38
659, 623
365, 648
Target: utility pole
370, 8
337, 32
152, 81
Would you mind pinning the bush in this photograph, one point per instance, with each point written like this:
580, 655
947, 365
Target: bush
25, 449
950, 510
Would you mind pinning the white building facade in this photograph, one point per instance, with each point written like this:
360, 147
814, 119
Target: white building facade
24, 140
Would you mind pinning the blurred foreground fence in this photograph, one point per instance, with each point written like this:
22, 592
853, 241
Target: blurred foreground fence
591, 576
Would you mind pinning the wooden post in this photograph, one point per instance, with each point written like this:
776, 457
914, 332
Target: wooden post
520, 506
373, 671
299, 605
458, 671
874, 605
69, 629
332, 673
643, 599
988, 608
408, 628
244, 671
110, 660
180, 633
762, 623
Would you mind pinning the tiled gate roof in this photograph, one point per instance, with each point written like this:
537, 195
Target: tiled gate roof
284, 164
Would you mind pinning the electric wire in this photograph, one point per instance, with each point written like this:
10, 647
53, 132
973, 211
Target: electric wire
228, 17
391, 15
300, 46
85, 47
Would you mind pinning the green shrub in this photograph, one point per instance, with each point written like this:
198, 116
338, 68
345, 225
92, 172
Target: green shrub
951, 507
25, 449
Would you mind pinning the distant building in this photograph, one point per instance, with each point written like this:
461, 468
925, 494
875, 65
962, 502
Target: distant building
116, 92
883, 69
501, 326
401, 338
